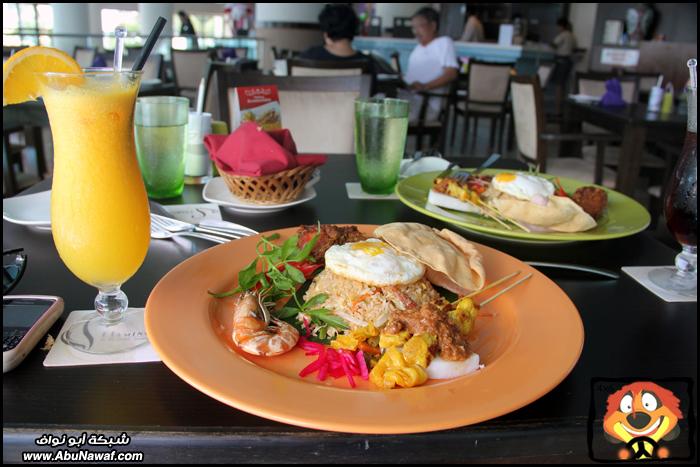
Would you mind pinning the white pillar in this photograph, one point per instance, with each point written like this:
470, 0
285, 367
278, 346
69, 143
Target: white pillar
148, 14
95, 24
71, 18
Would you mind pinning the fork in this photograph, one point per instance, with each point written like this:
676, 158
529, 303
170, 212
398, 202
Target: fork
160, 233
177, 226
463, 176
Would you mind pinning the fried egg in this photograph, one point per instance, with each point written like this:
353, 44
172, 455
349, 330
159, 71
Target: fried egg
373, 262
523, 186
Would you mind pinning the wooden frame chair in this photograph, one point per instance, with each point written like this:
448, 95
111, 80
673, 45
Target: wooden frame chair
308, 67
189, 67
319, 111
532, 137
488, 85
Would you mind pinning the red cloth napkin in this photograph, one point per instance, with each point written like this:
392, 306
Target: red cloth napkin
253, 152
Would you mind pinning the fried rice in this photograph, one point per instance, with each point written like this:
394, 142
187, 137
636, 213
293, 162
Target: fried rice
360, 304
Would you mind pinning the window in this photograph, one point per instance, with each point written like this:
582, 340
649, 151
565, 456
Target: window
111, 18
26, 24
205, 25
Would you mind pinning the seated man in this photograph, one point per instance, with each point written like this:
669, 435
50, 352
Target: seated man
339, 24
432, 65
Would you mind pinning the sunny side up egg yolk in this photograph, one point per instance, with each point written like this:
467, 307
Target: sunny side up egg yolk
370, 248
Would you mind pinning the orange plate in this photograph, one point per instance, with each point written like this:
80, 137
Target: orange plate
529, 339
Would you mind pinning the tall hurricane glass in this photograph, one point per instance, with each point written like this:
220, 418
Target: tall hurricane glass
99, 210
681, 203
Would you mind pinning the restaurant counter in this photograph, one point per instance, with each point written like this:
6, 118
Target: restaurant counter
526, 57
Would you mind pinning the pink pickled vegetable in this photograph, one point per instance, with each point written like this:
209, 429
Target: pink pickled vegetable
331, 362
364, 372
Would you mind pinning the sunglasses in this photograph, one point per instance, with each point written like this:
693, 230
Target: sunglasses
14, 262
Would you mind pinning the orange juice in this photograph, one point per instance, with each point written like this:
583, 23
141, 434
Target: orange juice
99, 210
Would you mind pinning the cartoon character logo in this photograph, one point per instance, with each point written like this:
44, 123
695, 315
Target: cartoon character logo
639, 415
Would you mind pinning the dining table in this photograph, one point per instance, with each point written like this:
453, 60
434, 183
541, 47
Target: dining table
629, 333
634, 124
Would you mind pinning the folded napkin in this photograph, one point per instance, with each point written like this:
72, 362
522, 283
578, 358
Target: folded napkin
252, 152
613, 94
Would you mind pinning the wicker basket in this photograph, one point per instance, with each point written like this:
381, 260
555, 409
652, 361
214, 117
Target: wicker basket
277, 188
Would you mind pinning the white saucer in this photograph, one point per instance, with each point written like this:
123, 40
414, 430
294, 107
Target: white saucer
216, 191
584, 98
424, 164
34, 209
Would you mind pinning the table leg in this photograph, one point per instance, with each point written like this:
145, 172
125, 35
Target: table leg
571, 124
633, 141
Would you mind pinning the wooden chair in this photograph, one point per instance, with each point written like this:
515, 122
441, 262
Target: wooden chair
189, 67
211, 86
402, 28
544, 73
532, 138
486, 97
396, 61
307, 67
319, 111
593, 84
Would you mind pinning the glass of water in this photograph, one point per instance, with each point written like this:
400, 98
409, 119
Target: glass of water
381, 126
161, 142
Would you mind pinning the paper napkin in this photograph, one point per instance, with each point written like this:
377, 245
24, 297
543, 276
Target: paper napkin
355, 192
641, 275
61, 354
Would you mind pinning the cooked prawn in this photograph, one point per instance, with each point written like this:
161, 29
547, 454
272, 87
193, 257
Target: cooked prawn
253, 336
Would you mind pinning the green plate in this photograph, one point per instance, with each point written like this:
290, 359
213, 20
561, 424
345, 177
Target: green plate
624, 216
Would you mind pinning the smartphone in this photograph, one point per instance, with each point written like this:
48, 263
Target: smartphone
25, 320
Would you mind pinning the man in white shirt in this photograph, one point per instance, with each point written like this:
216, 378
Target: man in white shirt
432, 65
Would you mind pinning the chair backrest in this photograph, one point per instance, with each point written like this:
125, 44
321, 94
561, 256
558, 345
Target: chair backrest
319, 111
211, 87
306, 67
593, 84
396, 61
488, 82
189, 67
85, 56
645, 81
544, 72
402, 27
528, 117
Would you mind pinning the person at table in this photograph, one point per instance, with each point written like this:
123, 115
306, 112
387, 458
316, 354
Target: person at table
187, 29
339, 24
432, 65
473, 29
564, 45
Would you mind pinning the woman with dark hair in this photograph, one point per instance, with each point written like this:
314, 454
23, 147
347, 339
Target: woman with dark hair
564, 46
339, 24
432, 64
187, 29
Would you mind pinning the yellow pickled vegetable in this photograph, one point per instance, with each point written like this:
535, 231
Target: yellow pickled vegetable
365, 333
393, 370
464, 315
415, 351
405, 377
345, 341
387, 341
353, 339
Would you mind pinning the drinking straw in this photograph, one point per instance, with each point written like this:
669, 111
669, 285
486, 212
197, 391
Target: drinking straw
693, 67
150, 42
659, 81
200, 97
120, 35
